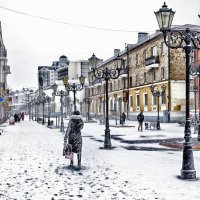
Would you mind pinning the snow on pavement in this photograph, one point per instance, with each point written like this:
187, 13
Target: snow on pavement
32, 167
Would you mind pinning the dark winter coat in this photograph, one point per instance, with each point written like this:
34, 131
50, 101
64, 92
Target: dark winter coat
123, 117
16, 117
140, 118
73, 133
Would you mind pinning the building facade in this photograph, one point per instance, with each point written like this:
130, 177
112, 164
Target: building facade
4, 71
148, 62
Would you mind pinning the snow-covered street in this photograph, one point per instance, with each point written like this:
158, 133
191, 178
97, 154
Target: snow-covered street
32, 166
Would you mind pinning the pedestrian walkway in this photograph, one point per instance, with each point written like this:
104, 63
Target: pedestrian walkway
32, 167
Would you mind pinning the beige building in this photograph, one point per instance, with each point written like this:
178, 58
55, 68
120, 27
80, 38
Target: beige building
147, 62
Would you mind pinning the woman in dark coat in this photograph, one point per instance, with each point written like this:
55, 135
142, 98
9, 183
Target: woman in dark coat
73, 134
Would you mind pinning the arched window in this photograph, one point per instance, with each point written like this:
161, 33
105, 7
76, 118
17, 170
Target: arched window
164, 97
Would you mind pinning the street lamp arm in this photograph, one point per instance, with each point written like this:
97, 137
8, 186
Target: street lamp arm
106, 73
74, 87
177, 39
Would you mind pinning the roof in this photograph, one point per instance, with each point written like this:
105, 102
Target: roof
194, 28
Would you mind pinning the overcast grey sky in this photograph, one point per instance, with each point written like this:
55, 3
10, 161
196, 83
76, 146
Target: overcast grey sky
32, 42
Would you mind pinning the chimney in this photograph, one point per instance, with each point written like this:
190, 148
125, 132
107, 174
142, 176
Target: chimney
142, 36
116, 52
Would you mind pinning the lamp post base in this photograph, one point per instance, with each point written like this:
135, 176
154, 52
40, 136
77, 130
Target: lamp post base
48, 122
107, 141
188, 171
158, 125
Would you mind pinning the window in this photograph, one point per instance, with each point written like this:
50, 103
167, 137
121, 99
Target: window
111, 104
154, 100
99, 89
137, 59
154, 51
163, 48
110, 87
145, 77
163, 73
163, 97
119, 85
145, 99
130, 81
154, 76
124, 83
145, 54
131, 101
137, 79
100, 109
137, 100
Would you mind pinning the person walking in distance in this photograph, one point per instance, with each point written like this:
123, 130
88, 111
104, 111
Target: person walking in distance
123, 118
73, 136
140, 119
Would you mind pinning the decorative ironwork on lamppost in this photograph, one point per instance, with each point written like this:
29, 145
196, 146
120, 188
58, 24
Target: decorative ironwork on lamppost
195, 71
48, 99
106, 74
156, 93
74, 87
60, 93
187, 41
43, 103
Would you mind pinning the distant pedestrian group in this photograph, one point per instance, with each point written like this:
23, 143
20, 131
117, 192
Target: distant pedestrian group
19, 116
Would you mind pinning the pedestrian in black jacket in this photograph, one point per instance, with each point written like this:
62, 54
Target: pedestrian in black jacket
140, 119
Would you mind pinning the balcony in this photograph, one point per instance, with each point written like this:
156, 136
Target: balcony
123, 72
97, 82
152, 62
91, 85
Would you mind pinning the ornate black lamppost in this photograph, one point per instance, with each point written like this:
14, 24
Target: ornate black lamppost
195, 71
62, 94
27, 91
74, 87
115, 107
120, 111
102, 101
43, 103
106, 74
88, 101
48, 99
187, 41
39, 99
156, 93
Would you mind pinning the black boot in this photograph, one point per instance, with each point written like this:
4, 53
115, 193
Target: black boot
71, 163
79, 160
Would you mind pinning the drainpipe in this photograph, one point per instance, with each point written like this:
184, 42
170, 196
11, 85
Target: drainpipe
128, 81
169, 82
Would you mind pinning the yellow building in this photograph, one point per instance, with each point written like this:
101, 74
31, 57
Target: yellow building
146, 63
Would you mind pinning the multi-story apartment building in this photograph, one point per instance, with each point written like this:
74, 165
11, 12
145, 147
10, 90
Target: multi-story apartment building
147, 62
4, 71
48, 75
